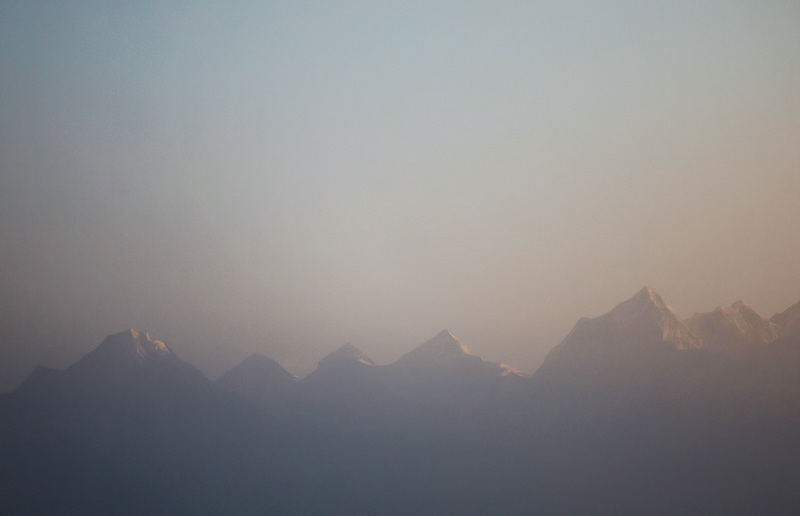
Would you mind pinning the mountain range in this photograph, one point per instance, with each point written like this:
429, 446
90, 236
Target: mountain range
635, 411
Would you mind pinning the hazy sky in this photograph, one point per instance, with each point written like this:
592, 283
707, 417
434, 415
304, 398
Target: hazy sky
284, 177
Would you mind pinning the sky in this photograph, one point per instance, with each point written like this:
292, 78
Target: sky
286, 177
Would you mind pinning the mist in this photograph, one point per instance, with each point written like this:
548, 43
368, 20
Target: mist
284, 179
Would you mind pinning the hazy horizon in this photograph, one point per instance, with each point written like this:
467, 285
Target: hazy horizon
286, 178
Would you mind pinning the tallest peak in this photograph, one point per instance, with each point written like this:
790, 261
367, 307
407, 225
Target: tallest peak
647, 314
647, 299
648, 292
445, 334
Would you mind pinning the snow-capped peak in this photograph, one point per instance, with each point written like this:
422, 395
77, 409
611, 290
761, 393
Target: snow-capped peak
127, 350
134, 344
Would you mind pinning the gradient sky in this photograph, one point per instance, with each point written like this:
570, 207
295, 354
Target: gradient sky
285, 177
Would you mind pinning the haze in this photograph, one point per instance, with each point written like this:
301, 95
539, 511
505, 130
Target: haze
283, 178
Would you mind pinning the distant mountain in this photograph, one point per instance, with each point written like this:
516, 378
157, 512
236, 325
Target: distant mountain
347, 356
788, 321
123, 420
261, 381
630, 345
133, 429
439, 377
347, 379
128, 374
445, 352
443, 370
123, 364
634, 412
128, 349
646, 320
733, 330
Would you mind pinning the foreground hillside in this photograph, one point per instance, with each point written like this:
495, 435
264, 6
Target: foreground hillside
636, 411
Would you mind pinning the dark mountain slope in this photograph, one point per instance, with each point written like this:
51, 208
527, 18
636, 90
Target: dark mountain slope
788, 321
631, 414
129, 429
629, 351
261, 381
442, 371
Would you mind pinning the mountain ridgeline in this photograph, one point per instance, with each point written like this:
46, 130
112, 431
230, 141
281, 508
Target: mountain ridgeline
635, 411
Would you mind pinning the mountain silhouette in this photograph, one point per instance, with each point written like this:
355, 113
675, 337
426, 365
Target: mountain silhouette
261, 381
633, 346
788, 321
633, 412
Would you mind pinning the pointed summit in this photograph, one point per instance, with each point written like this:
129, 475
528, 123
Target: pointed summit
257, 369
347, 379
443, 370
126, 366
648, 293
445, 352
739, 304
645, 316
445, 334
347, 354
647, 303
128, 349
259, 380
622, 345
443, 345
645, 299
